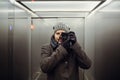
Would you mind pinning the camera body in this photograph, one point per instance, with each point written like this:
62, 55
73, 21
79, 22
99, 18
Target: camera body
68, 36
64, 36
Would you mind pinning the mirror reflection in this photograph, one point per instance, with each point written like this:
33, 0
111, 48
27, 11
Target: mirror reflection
27, 25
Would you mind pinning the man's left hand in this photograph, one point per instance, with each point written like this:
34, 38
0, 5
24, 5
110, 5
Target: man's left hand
72, 37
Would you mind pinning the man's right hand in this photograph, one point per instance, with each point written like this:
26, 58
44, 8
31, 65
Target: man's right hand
66, 44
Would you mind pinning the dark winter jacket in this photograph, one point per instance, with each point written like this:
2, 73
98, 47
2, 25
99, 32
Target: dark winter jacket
61, 65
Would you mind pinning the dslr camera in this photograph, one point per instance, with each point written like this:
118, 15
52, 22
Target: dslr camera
70, 36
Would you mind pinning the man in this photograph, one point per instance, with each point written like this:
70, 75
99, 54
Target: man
62, 58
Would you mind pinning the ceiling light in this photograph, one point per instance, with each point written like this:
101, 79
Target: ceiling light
61, 5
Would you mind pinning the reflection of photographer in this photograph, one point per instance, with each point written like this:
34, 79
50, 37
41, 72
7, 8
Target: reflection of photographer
62, 58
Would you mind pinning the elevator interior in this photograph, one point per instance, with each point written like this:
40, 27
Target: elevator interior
25, 25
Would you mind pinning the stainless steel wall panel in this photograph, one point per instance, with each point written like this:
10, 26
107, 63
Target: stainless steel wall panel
4, 46
21, 50
90, 45
4, 53
102, 42
107, 46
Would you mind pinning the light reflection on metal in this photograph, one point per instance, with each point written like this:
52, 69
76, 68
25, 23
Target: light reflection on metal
33, 0
61, 5
32, 26
14, 2
10, 28
99, 7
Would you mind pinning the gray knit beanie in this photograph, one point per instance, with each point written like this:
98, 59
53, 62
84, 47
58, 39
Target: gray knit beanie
61, 26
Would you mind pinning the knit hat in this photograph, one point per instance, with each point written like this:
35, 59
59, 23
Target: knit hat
61, 26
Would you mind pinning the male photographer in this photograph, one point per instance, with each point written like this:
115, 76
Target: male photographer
62, 58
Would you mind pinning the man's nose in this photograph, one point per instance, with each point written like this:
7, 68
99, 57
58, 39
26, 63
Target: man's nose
60, 35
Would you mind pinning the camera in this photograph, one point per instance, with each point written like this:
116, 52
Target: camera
64, 36
68, 36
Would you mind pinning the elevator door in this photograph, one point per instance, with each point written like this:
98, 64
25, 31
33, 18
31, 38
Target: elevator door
41, 34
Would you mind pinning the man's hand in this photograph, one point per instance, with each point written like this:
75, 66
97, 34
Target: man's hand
72, 37
66, 44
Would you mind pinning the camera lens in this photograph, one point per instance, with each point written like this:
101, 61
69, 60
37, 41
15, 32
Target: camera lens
64, 36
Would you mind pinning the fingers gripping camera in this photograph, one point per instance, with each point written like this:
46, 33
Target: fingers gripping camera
68, 39
72, 38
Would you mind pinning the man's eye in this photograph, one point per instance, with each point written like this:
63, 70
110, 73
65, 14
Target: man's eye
57, 33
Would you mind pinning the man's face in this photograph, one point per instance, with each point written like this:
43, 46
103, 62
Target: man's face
57, 35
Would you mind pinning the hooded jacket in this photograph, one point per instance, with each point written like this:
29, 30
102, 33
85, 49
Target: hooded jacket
59, 64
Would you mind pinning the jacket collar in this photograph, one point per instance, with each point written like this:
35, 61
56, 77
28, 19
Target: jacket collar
53, 42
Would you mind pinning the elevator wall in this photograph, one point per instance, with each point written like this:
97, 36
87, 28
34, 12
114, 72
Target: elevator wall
3, 42
15, 43
102, 43
20, 45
